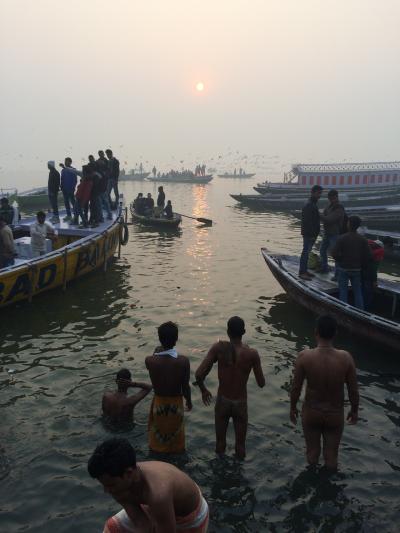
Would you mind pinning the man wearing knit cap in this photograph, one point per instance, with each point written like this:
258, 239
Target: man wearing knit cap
53, 188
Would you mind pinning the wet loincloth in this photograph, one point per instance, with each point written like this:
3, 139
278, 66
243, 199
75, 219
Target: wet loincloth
237, 409
195, 522
166, 425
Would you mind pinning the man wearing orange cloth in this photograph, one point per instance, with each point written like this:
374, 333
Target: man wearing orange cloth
170, 376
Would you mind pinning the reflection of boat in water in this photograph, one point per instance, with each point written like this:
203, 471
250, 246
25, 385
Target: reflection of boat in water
320, 295
182, 178
291, 203
159, 222
237, 175
76, 252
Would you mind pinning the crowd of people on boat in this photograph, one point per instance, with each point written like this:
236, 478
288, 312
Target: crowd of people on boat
85, 201
200, 170
356, 258
144, 205
156, 495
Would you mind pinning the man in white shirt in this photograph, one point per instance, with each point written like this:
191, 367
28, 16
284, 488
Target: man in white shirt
40, 230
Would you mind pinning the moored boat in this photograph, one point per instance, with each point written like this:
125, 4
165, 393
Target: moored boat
159, 222
320, 296
76, 253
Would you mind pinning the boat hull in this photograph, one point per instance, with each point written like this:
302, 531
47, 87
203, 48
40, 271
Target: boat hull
59, 267
241, 176
163, 223
134, 177
360, 323
182, 179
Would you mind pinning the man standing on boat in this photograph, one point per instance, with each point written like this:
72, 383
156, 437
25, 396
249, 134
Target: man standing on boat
6, 211
235, 362
53, 187
326, 371
310, 228
332, 218
40, 231
68, 185
352, 254
7, 247
170, 376
113, 167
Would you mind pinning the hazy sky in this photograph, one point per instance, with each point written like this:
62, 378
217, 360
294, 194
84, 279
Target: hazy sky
308, 80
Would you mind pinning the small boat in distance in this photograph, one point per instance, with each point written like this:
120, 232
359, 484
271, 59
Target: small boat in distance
159, 222
133, 175
181, 177
35, 198
239, 174
320, 295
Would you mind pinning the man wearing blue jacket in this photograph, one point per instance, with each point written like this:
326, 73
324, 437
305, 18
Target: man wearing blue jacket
68, 185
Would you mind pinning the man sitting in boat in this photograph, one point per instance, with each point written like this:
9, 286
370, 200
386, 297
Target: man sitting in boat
118, 406
168, 210
7, 248
6, 211
40, 231
140, 206
149, 205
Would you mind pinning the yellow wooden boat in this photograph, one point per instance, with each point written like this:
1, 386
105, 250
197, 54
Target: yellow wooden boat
76, 252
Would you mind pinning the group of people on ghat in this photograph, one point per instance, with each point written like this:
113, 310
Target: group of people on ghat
356, 258
144, 205
85, 201
156, 496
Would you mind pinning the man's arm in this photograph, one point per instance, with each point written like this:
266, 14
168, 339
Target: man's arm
352, 390
333, 216
203, 370
297, 384
186, 391
136, 398
163, 514
258, 373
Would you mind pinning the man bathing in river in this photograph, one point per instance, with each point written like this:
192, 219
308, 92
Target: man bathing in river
155, 496
170, 376
118, 406
326, 370
235, 362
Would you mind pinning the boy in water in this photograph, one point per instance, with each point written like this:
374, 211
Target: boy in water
156, 497
118, 406
235, 362
326, 370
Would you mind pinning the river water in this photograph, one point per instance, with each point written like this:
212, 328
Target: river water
64, 350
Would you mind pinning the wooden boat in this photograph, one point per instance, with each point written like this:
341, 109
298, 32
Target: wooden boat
344, 193
133, 176
181, 178
237, 175
159, 222
320, 296
77, 252
292, 203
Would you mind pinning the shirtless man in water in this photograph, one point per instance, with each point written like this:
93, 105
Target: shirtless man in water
235, 362
326, 370
156, 497
118, 406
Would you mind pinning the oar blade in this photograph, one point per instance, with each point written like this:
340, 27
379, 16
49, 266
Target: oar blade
206, 221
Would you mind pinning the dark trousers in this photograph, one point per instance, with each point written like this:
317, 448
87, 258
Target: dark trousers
69, 201
53, 199
308, 243
113, 186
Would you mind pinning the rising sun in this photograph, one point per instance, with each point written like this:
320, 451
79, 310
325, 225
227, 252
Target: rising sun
200, 86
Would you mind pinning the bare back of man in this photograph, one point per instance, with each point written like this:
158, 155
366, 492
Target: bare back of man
235, 362
168, 375
326, 371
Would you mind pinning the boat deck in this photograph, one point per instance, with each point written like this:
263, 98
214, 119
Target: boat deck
382, 234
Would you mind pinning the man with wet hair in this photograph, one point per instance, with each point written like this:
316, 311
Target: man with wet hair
118, 406
155, 496
352, 254
235, 362
326, 371
170, 376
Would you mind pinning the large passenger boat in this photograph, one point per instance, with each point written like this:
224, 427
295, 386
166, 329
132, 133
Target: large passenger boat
341, 176
75, 253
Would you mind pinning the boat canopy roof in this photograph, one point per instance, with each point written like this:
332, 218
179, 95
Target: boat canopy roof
346, 167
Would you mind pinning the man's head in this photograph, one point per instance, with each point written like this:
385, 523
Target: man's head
91, 159
140, 195
169, 202
113, 463
236, 327
168, 335
41, 217
67, 161
149, 195
101, 154
160, 188
316, 192
353, 223
326, 327
333, 196
51, 164
4, 202
123, 375
109, 153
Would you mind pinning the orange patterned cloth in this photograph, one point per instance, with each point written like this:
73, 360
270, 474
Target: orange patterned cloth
166, 425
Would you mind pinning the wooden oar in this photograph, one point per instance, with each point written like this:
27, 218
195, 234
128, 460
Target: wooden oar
199, 219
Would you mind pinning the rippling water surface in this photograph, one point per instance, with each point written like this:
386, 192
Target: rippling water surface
64, 350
